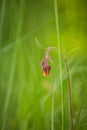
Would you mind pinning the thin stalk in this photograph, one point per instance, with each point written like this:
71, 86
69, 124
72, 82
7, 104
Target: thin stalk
70, 99
69, 92
52, 127
58, 40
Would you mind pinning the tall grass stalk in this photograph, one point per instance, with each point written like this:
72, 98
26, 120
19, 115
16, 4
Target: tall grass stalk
52, 127
60, 64
69, 92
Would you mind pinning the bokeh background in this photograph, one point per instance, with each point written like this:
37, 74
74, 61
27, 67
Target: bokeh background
25, 95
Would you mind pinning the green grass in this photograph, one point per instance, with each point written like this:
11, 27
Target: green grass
29, 101
60, 62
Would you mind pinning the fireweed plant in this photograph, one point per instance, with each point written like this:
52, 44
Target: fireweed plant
46, 68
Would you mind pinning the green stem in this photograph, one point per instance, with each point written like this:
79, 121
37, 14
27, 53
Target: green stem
70, 99
52, 127
58, 40
69, 92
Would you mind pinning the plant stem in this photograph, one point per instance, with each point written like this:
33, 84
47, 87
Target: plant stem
58, 40
52, 127
69, 92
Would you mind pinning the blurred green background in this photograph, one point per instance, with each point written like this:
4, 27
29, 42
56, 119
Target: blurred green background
25, 95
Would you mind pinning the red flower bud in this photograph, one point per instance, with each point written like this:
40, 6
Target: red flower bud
46, 70
44, 64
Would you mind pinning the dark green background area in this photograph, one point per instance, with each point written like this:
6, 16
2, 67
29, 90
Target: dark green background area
25, 95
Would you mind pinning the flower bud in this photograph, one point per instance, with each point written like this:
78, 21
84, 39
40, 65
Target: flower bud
46, 70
